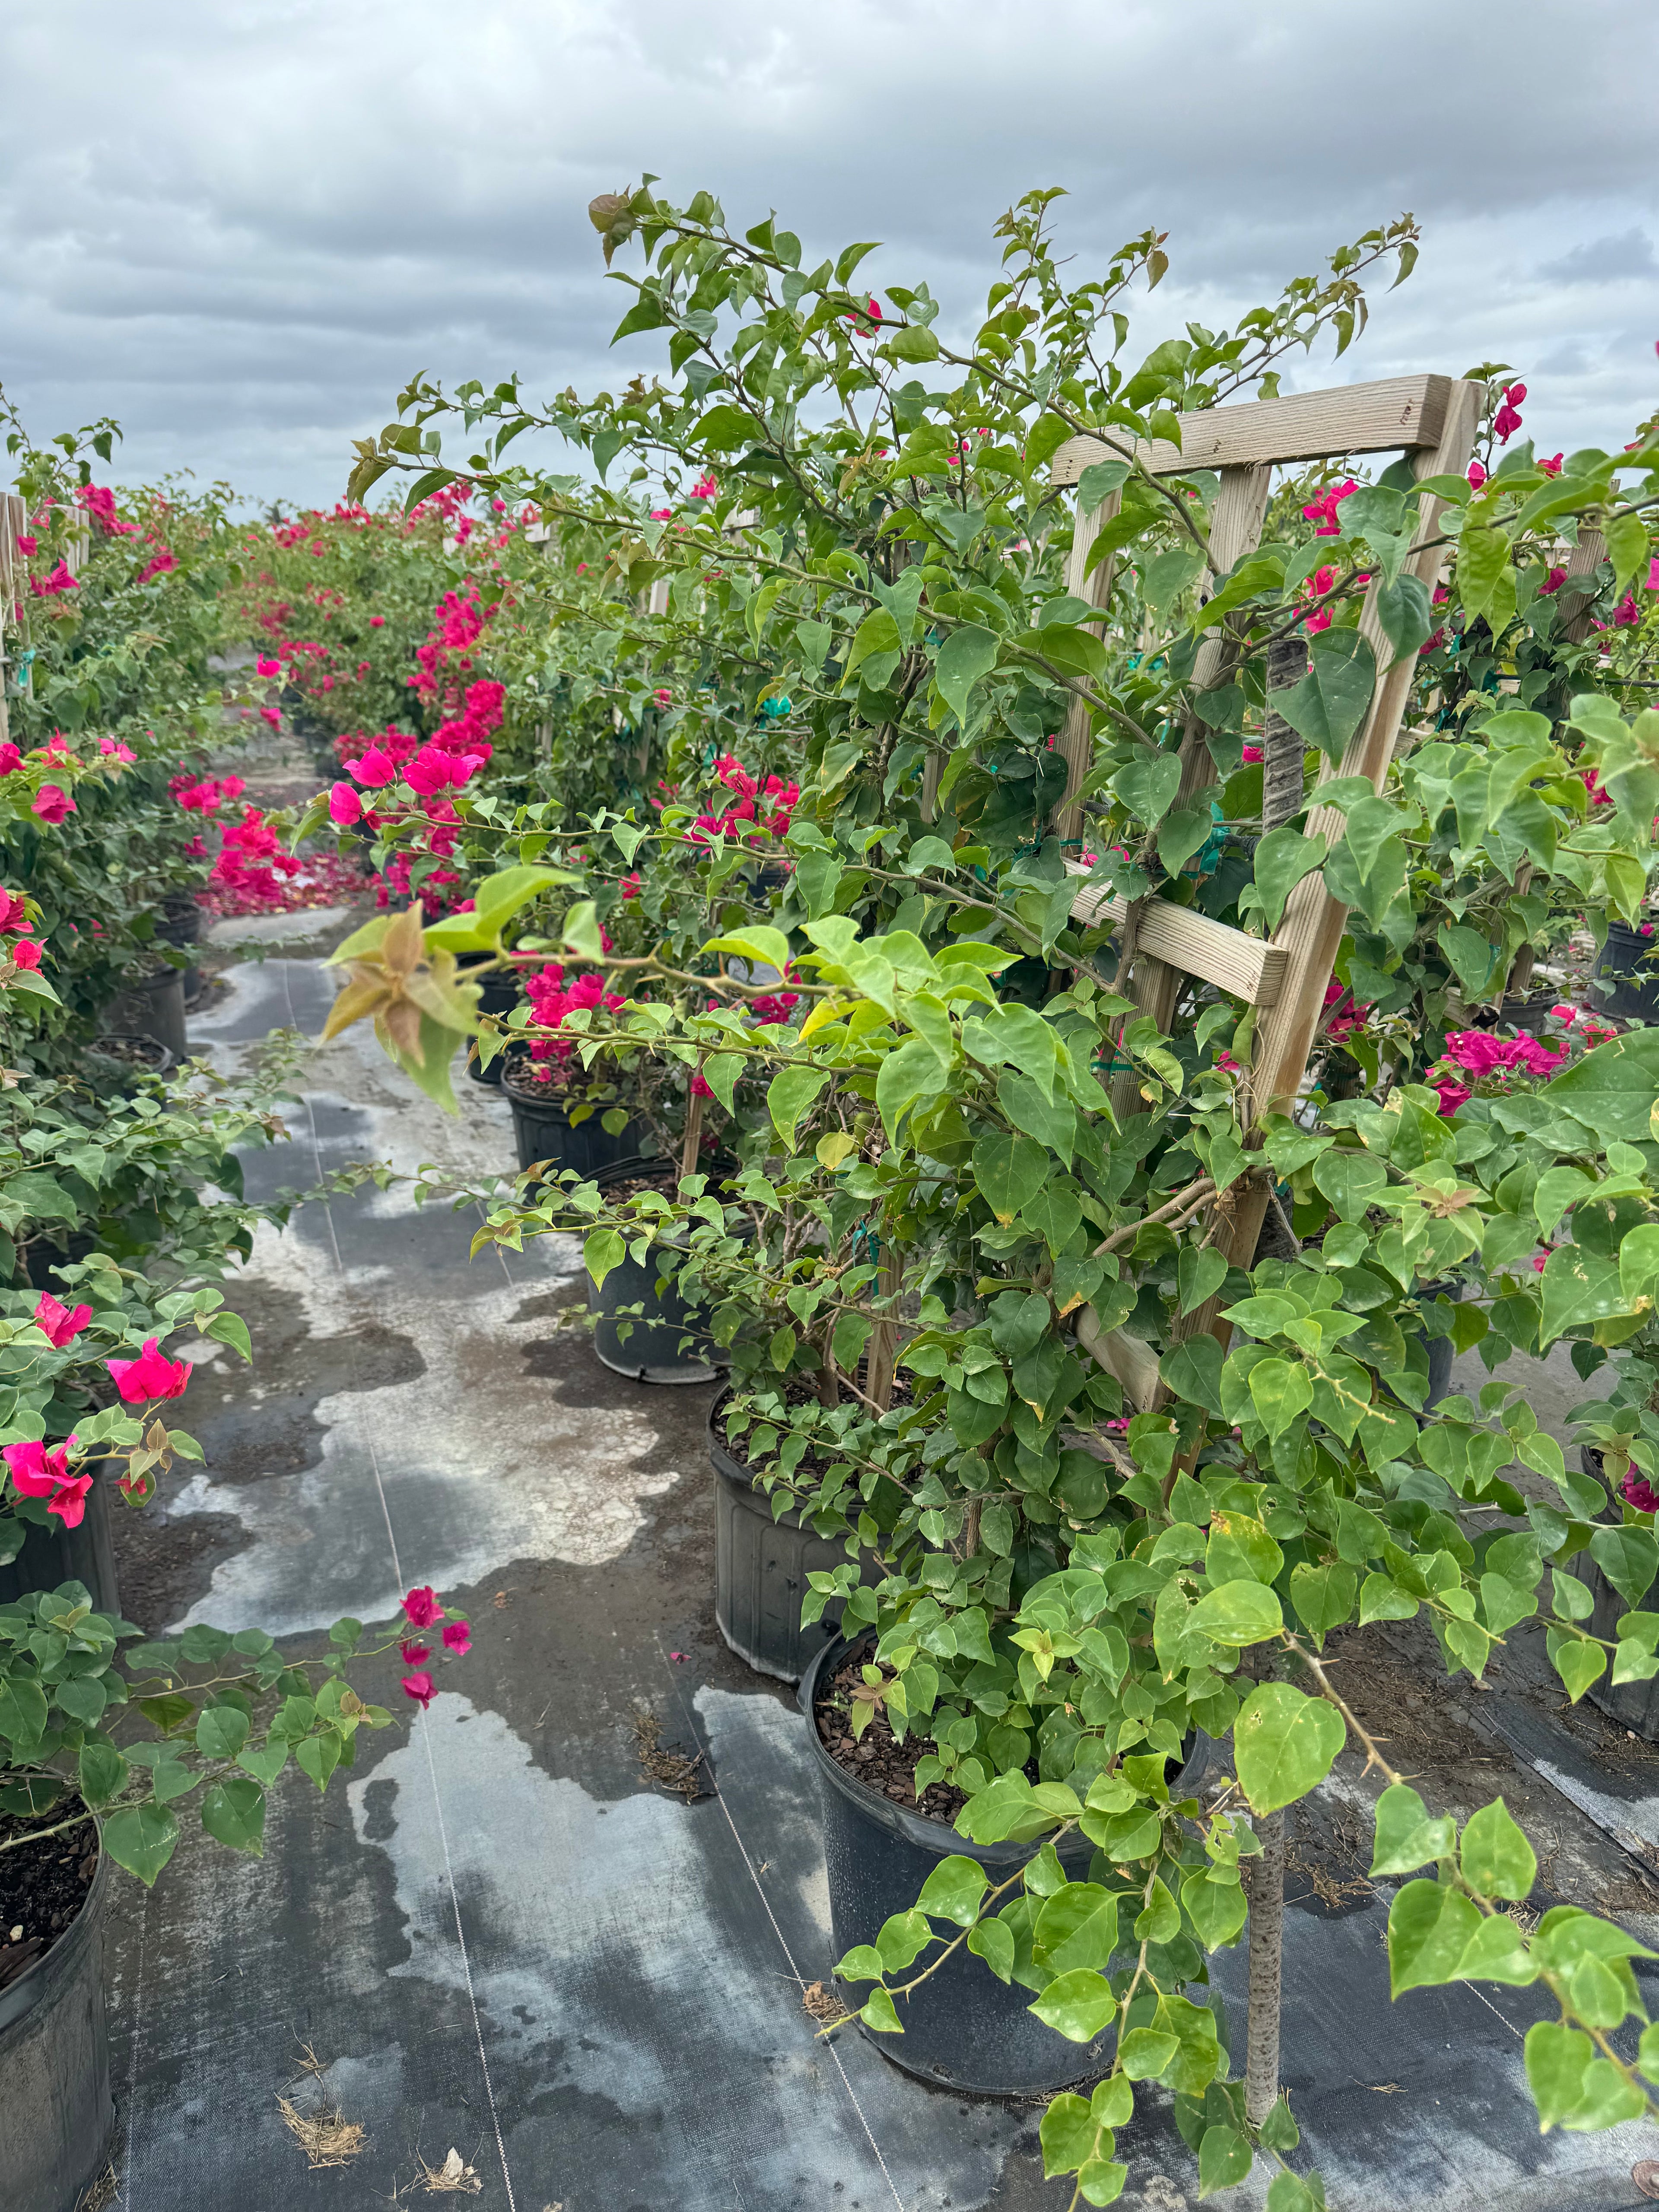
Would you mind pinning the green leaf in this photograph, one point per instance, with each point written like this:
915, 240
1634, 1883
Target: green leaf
103, 1772
1406, 1838
317, 1756
1353, 1181
1557, 2057
1324, 1595
83, 1698
220, 1732
903, 1939
1225, 2158
1068, 2135
1331, 701
1199, 1272
759, 945
1285, 1745
1145, 2053
1078, 2005
1430, 1926
953, 1891
1403, 608
230, 1328
1238, 1612
1077, 1927
789, 1094
141, 1839
1101, 2182
1497, 1859
1482, 556
1611, 1088
862, 1963
966, 655
1216, 1909
1471, 956
1147, 787
1282, 859
993, 1941
1166, 576
602, 1250
1626, 537
1010, 1171
880, 2013
1629, 1557
1280, 1392
1192, 1371
233, 1813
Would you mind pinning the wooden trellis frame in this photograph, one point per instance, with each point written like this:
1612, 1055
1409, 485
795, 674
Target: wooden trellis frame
1433, 419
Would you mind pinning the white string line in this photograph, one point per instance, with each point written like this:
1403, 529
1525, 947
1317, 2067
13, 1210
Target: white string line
366, 1431
132, 2068
783, 1945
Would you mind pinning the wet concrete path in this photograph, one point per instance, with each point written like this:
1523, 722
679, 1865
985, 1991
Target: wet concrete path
498, 1934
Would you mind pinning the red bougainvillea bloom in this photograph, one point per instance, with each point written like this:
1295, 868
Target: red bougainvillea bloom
62, 1326
1322, 511
12, 910
26, 954
38, 1472
27, 546
344, 805
422, 1609
457, 1638
10, 759
419, 1686
1477, 475
149, 1376
1640, 1494
434, 769
414, 1654
377, 622
60, 580
1551, 464
158, 567
113, 748
1251, 755
268, 667
51, 805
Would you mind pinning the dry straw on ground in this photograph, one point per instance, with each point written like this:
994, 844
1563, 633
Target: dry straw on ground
670, 1770
454, 2177
324, 2135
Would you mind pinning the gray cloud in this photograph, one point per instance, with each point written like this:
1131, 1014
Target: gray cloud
248, 221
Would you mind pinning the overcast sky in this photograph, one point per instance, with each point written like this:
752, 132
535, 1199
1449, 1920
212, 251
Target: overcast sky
239, 225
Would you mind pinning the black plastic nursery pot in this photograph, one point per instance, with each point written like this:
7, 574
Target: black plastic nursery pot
152, 1007
498, 995
55, 1554
1625, 983
760, 1567
542, 1131
649, 1343
964, 2030
57, 2115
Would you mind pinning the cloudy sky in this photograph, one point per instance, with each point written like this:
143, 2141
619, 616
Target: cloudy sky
239, 225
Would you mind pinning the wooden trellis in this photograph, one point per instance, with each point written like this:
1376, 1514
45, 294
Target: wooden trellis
1433, 419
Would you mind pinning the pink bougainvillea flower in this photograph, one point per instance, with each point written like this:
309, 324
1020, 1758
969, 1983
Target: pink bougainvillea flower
26, 954
27, 546
1507, 421
268, 667
419, 1686
52, 804
662, 514
414, 1654
1322, 511
113, 748
10, 759
679, 1657
1477, 475
434, 769
12, 910
272, 716
149, 1376
1251, 755
158, 567
57, 1322
700, 1088
38, 1472
1640, 1494
375, 768
377, 622
1552, 583
1551, 464
422, 1609
344, 805
457, 1638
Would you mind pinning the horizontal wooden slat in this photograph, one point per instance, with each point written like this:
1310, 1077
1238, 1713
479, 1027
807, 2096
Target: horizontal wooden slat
1195, 944
1400, 412
1133, 1362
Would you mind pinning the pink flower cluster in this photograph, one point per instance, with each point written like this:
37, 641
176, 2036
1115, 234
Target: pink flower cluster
1640, 1494
1321, 512
551, 999
38, 1471
99, 501
750, 819
57, 1323
151, 1377
1479, 1056
1507, 421
458, 622
1350, 1014
209, 795
252, 864
422, 1610
60, 580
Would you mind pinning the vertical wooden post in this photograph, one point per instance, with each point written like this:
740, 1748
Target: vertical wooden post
1235, 529
1311, 930
1077, 738
1282, 747
882, 1354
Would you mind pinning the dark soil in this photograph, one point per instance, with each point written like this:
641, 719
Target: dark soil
137, 1051
43, 1885
883, 1764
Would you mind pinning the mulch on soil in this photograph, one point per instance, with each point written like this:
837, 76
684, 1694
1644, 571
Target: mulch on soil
43, 1885
878, 1759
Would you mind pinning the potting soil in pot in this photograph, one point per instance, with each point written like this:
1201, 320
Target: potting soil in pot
878, 1758
43, 1886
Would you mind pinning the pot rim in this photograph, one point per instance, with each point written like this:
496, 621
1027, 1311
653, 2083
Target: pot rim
19, 1998
165, 1065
